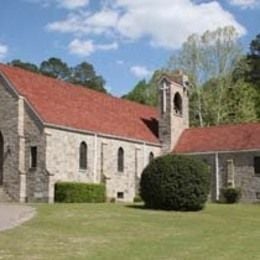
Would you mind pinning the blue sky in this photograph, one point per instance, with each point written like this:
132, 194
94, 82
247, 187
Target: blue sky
125, 40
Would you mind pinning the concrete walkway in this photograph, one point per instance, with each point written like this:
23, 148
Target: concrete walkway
12, 215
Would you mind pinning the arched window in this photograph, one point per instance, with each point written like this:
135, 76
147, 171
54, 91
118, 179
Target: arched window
151, 156
83, 156
120, 160
177, 102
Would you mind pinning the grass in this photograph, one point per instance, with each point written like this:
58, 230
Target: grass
117, 231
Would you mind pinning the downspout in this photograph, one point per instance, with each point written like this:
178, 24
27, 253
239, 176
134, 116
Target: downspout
144, 155
95, 160
217, 175
21, 160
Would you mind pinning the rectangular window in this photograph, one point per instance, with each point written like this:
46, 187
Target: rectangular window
33, 157
257, 165
120, 195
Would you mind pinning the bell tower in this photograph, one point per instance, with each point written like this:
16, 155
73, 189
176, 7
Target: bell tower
173, 109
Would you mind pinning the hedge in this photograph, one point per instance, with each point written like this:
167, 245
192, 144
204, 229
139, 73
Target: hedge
71, 192
175, 182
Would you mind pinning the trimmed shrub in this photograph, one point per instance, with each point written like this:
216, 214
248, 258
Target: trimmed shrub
137, 199
175, 182
231, 195
70, 192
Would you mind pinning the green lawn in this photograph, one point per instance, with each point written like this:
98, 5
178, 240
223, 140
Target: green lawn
112, 231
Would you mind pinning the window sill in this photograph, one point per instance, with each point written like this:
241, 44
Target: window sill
32, 169
120, 173
257, 175
178, 115
83, 170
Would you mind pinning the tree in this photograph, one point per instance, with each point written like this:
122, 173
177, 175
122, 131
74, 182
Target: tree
254, 60
139, 93
248, 70
56, 68
212, 55
146, 92
237, 101
254, 69
84, 74
24, 65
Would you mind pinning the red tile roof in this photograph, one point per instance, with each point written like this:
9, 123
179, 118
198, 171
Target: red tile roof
64, 104
220, 138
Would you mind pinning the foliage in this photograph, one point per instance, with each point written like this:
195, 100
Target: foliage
82, 74
145, 92
212, 55
79, 192
231, 195
85, 75
56, 68
140, 93
175, 182
254, 60
24, 65
137, 199
248, 69
237, 101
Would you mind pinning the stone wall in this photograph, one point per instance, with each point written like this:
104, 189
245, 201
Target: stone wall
36, 178
244, 175
172, 124
58, 155
62, 160
9, 129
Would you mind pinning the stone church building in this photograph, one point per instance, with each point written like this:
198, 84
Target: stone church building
53, 131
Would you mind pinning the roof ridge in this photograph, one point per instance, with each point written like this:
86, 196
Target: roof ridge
224, 125
69, 84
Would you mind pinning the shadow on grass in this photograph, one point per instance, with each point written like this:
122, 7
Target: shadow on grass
137, 206
143, 207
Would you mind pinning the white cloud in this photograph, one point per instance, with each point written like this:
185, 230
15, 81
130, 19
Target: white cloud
3, 51
104, 21
140, 71
81, 48
107, 47
245, 3
86, 48
120, 62
166, 23
67, 4
72, 4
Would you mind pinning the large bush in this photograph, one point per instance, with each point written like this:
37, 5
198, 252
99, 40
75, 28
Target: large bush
175, 182
79, 192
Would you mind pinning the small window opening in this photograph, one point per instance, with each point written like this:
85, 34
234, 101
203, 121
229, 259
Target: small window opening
33, 157
120, 160
83, 154
151, 156
257, 165
177, 102
120, 195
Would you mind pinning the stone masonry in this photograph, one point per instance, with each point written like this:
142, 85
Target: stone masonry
58, 151
62, 159
244, 175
